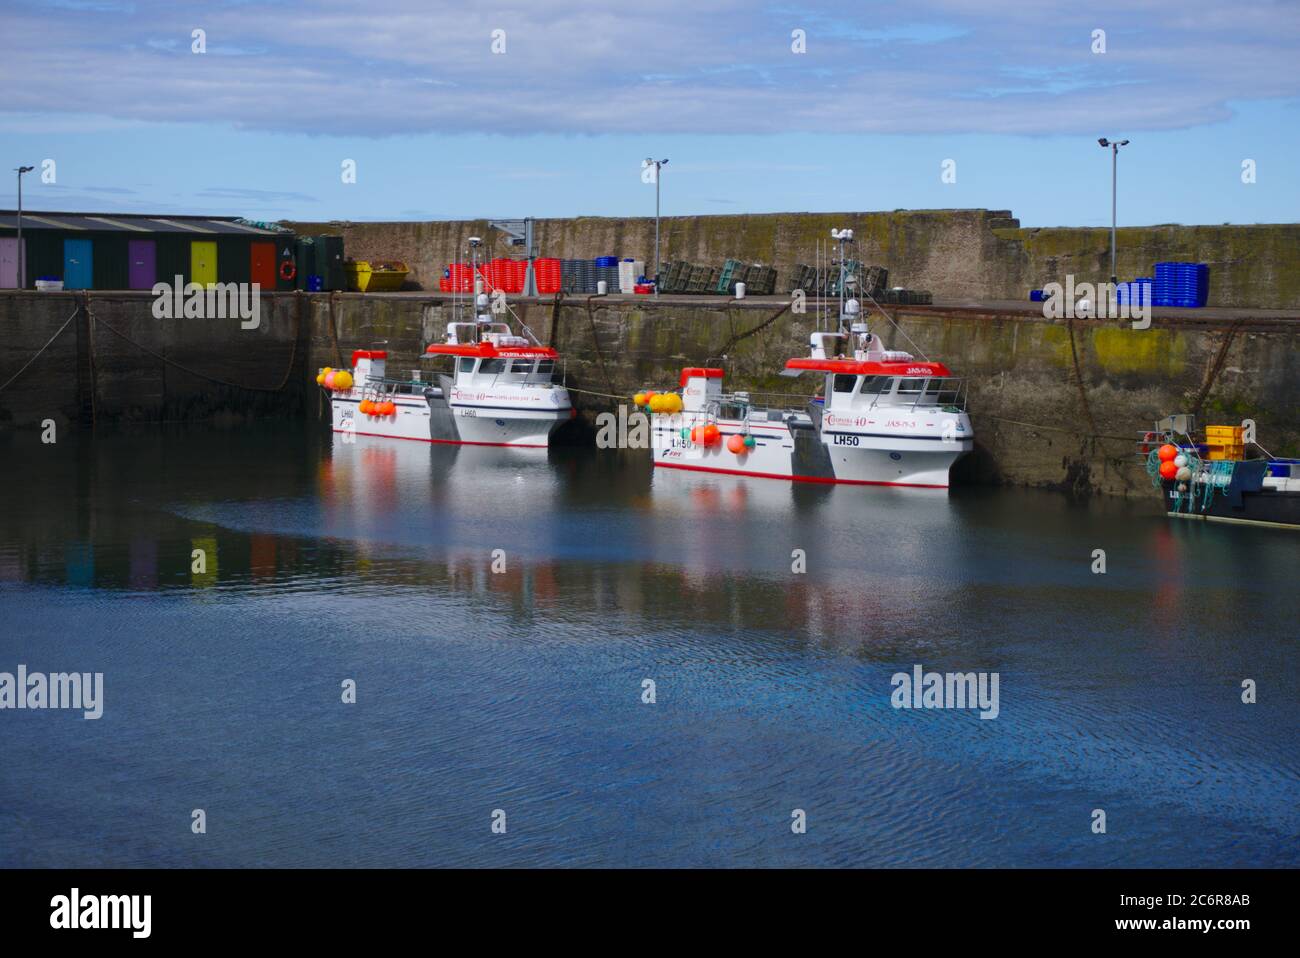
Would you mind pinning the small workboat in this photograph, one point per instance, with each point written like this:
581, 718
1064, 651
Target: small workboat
1221, 474
883, 418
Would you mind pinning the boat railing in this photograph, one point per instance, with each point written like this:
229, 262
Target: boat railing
389, 385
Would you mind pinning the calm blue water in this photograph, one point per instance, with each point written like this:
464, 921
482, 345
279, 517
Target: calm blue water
522, 690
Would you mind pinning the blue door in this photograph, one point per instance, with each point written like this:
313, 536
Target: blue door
77, 265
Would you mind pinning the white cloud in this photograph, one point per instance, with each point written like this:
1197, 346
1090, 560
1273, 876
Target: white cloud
923, 66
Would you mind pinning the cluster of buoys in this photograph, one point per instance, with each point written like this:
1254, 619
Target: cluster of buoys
381, 407
740, 444
1173, 464
666, 403
335, 379
709, 434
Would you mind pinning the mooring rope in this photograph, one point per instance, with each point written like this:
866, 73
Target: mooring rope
293, 352
592, 392
1033, 425
37, 356
750, 332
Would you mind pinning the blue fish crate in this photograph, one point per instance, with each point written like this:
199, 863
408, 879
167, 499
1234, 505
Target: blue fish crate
1036, 296
1183, 285
606, 261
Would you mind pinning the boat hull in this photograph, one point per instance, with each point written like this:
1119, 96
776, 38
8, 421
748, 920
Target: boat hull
799, 454
430, 419
1264, 507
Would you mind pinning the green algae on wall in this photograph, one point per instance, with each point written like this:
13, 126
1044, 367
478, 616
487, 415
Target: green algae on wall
1158, 352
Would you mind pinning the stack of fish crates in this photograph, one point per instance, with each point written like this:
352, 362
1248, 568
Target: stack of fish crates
1185, 285
1225, 443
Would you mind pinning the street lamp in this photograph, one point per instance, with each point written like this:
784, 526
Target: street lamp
22, 275
658, 165
1114, 169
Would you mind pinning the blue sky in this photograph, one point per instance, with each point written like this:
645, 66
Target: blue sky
440, 126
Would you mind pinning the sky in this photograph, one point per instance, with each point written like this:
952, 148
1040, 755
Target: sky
457, 110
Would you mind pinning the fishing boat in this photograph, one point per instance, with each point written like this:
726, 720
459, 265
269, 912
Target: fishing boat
883, 418
488, 385
1220, 474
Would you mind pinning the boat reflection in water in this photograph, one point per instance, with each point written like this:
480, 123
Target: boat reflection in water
519, 685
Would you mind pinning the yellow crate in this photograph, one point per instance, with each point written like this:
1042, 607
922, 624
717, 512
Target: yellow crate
1220, 453
1231, 434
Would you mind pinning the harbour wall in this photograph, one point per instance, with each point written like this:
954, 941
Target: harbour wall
961, 255
1054, 404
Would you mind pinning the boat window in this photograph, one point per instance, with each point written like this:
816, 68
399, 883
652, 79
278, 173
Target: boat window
910, 386
546, 367
466, 364
844, 383
876, 384
522, 366
492, 367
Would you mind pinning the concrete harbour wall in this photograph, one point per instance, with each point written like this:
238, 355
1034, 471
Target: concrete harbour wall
1054, 404
970, 255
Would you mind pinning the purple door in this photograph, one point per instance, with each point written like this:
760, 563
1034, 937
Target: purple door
9, 262
141, 258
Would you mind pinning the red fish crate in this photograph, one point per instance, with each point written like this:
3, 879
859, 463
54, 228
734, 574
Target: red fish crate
547, 271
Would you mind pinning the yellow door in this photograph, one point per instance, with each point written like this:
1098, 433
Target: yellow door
203, 263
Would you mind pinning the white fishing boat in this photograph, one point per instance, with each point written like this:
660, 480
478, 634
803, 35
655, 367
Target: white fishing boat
883, 417
488, 386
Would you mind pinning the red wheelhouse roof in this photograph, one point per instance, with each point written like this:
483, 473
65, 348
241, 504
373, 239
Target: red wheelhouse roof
488, 351
708, 372
368, 354
855, 367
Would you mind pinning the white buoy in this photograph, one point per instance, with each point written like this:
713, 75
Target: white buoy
740, 291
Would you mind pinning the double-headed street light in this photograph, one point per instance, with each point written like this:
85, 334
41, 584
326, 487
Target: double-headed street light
22, 276
1114, 169
658, 165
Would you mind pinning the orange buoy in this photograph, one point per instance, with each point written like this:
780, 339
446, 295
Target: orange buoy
711, 434
736, 444
1167, 452
363, 407
1167, 469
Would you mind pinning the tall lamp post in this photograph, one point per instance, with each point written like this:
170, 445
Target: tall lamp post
658, 165
1114, 170
22, 275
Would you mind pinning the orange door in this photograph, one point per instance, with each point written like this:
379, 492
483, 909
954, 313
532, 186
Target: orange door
262, 265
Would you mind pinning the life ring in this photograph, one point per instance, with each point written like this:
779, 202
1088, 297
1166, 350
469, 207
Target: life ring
288, 270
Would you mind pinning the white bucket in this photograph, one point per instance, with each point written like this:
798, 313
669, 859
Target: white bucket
740, 291
601, 287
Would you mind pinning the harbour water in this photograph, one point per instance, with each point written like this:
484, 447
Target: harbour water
521, 688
